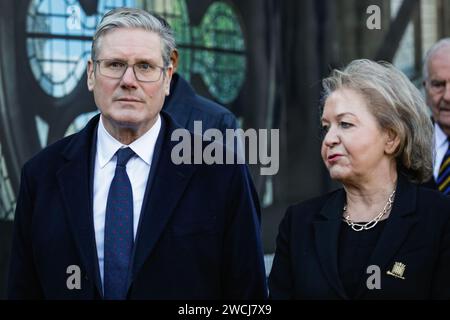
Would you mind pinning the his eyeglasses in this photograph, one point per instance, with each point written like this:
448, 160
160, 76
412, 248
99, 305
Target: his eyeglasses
143, 71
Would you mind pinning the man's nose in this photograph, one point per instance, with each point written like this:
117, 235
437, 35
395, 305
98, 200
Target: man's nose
129, 79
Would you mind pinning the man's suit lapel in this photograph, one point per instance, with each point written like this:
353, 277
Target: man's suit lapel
398, 225
74, 181
166, 184
326, 236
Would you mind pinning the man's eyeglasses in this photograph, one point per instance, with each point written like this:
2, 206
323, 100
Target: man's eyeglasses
143, 71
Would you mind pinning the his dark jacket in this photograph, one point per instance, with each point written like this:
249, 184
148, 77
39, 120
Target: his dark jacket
416, 234
198, 235
430, 184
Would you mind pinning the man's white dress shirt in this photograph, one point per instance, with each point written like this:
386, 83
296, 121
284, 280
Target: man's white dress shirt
441, 147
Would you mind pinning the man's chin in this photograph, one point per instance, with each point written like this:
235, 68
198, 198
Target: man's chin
129, 120
125, 121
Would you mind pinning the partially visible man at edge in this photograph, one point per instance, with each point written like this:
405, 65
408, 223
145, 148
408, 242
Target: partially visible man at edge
436, 73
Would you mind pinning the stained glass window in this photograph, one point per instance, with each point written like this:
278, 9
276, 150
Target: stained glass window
220, 58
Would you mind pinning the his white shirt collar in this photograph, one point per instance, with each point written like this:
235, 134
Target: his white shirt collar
144, 147
440, 136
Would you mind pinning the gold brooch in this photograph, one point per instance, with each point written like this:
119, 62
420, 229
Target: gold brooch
397, 270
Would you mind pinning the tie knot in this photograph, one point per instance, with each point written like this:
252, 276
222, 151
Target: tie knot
123, 155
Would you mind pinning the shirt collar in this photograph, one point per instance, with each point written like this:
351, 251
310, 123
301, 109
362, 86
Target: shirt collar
440, 136
144, 146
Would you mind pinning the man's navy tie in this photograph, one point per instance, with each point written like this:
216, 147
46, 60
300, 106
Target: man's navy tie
443, 180
118, 229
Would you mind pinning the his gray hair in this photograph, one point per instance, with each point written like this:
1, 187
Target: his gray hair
398, 107
134, 18
443, 43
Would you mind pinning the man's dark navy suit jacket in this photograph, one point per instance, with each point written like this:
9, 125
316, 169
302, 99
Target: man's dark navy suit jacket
198, 235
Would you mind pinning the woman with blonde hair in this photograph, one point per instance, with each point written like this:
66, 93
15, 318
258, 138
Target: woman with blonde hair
381, 236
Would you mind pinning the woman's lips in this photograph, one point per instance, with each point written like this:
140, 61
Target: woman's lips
334, 157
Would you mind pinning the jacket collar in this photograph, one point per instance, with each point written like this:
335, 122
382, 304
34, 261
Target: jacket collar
179, 104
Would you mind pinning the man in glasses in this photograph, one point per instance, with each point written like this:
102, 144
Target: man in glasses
436, 72
106, 213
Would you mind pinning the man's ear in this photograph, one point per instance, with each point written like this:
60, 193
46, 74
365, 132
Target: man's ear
392, 142
174, 59
169, 73
90, 75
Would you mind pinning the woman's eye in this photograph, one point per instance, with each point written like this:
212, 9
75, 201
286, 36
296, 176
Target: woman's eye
345, 125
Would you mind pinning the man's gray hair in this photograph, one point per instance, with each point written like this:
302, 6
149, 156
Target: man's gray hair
398, 107
134, 18
443, 43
